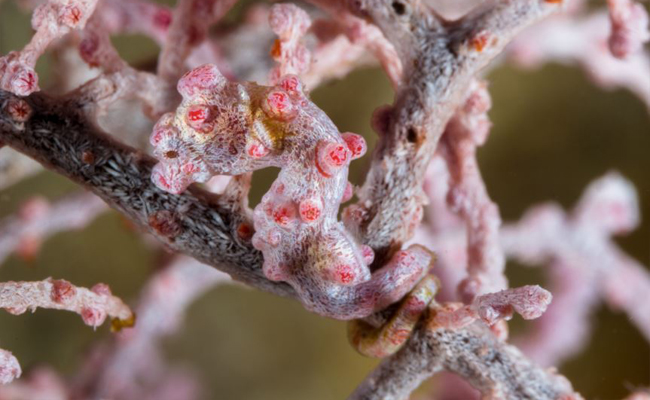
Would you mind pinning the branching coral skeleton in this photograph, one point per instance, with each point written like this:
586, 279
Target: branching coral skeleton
292, 244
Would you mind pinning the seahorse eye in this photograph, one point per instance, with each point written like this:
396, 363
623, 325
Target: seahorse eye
171, 154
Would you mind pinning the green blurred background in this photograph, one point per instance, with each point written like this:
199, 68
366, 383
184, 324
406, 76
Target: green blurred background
554, 132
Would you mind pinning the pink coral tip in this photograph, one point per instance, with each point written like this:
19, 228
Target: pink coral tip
200, 79
93, 316
291, 84
356, 144
23, 82
62, 291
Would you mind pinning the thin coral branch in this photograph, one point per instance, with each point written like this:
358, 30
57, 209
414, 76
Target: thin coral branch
583, 264
586, 265
9, 367
40, 384
630, 28
467, 195
137, 16
131, 367
639, 395
15, 167
189, 27
92, 305
362, 33
528, 301
290, 23
582, 42
334, 58
38, 219
51, 21
119, 80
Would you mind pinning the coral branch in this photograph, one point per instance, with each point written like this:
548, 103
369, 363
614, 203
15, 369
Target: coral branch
467, 195
361, 33
51, 21
630, 28
119, 80
585, 262
9, 367
195, 223
334, 58
37, 220
189, 27
92, 305
136, 16
583, 41
40, 384
15, 167
528, 301
132, 365
290, 23
439, 60
496, 369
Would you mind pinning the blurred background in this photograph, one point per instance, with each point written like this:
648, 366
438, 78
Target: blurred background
554, 132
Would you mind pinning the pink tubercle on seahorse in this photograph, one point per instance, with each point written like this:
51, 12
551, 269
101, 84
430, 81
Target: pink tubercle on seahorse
230, 128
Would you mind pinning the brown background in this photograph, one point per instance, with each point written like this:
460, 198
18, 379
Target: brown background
553, 133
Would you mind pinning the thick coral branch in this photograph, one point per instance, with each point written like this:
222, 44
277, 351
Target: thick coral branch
496, 369
439, 59
197, 223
